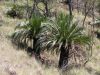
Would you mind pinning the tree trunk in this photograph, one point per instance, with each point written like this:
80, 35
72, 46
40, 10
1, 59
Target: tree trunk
14, 1
70, 7
27, 9
33, 8
36, 49
46, 9
64, 55
78, 6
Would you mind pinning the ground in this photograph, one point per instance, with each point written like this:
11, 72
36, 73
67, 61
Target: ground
15, 61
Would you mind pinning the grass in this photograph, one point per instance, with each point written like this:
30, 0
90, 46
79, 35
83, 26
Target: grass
17, 62
13, 60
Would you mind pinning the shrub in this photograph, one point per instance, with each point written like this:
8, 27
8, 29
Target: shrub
18, 11
63, 35
29, 33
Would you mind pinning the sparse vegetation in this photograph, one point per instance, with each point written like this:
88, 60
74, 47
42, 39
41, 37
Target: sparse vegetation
18, 11
49, 37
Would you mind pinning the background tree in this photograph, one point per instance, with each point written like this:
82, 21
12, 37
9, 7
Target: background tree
69, 3
70, 6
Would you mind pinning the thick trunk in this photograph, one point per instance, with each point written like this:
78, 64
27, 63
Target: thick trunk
36, 49
64, 55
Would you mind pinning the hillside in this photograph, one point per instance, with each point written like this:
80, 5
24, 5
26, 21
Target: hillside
14, 61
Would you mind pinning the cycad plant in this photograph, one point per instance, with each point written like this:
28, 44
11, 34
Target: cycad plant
29, 32
63, 33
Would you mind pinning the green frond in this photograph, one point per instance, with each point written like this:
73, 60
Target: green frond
29, 30
64, 30
83, 39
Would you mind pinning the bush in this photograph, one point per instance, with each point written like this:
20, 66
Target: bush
29, 32
17, 11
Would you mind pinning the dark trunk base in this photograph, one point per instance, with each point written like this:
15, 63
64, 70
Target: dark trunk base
63, 60
36, 49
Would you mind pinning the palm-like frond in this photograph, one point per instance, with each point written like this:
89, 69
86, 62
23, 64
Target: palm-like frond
28, 31
64, 30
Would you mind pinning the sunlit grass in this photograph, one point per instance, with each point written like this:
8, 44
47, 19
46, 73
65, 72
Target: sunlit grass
17, 60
